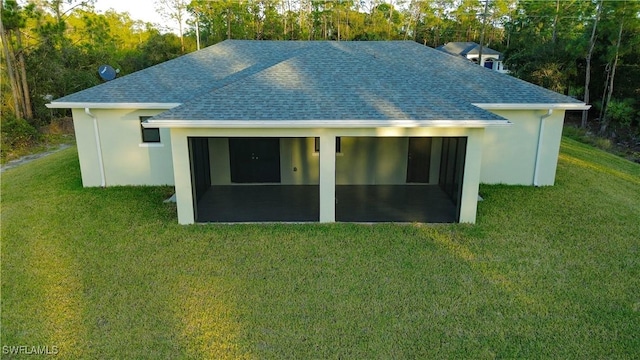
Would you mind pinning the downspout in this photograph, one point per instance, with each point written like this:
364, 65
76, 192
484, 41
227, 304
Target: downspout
96, 132
540, 131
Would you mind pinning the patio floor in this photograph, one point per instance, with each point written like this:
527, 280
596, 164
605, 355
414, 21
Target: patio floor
300, 203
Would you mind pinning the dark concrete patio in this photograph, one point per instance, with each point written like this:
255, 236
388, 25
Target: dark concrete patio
394, 203
258, 203
300, 203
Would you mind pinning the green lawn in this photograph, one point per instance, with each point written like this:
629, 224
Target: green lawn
108, 273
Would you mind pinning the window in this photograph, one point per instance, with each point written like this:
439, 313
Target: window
338, 145
149, 135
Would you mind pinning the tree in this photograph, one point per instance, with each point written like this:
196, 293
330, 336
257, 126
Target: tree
17, 108
174, 10
11, 22
587, 79
537, 55
467, 22
620, 17
434, 22
231, 19
159, 48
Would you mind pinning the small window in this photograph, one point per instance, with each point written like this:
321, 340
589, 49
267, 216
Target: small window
316, 147
149, 135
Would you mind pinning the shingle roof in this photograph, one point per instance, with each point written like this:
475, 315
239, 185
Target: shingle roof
278, 80
181, 79
466, 48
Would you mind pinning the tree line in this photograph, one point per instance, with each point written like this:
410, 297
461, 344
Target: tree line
587, 49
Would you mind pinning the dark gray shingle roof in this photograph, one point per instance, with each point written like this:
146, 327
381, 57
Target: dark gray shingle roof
181, 79
466, 48
277, 80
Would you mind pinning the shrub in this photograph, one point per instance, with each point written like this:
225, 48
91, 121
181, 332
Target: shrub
603, 143
587, 137
622, 112
17, 134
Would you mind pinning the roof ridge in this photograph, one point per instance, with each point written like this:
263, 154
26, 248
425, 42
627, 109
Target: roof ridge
244, 74
250, 71
470, 46
327, 44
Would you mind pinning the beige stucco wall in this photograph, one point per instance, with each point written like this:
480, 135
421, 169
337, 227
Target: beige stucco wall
327, 159
299, 165
127, 160
362, 161
219, 159
372, 161
509, 155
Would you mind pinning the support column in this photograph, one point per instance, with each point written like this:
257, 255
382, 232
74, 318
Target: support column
471, 181
327, 178
182, 177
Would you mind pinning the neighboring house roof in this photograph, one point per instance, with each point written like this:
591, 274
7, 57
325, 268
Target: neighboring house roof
467, 48
317, 80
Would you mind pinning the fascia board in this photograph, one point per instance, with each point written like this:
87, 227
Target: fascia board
541, 106
141, 106
150, 123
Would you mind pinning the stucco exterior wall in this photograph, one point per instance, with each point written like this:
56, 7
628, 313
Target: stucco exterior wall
497, 65
299, 165
219, 158
127, 160
328, 166
372, 161
87, 149
362, 161
550, 149
509, 155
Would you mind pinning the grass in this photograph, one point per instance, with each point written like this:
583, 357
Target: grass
548, 272
52, 136
626, 146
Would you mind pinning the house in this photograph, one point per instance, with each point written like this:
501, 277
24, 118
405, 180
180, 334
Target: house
318, 131
491, 59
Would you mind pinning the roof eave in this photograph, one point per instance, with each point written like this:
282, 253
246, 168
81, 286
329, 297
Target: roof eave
539, 106
150, 123
98, 105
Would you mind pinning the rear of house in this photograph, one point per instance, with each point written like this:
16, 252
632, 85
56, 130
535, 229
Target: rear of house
252, 131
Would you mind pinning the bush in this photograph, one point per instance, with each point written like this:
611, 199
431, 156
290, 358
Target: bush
17, 134
587, 137
626, 145
622, 112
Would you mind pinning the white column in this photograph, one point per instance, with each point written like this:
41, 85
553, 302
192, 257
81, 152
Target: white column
327, 178
182, 177
471, 184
